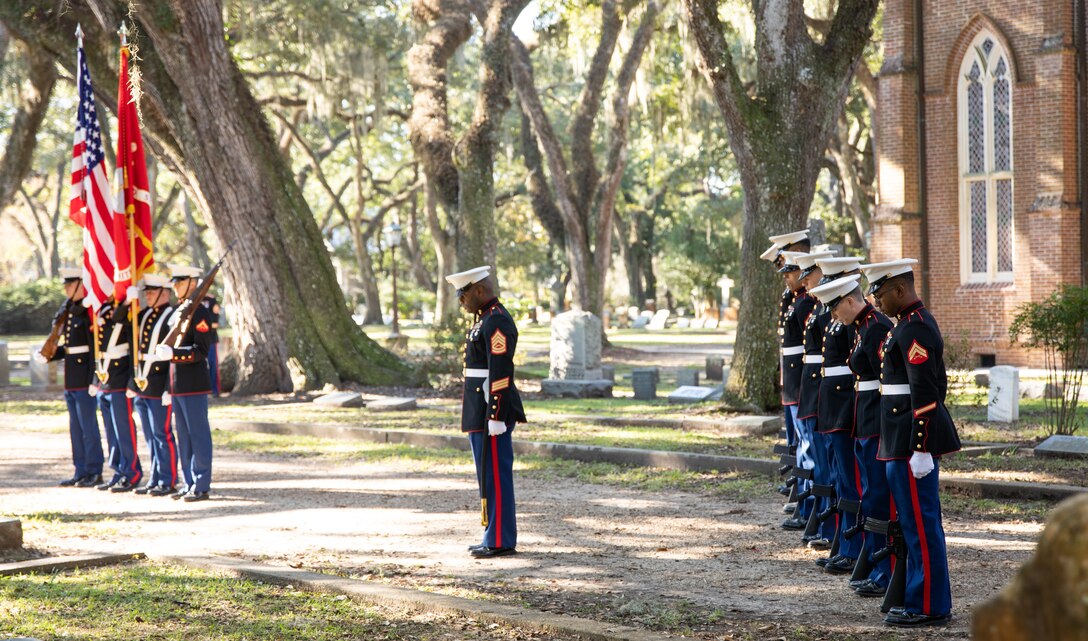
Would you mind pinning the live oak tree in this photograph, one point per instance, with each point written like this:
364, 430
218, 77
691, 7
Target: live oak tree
779, 122
292, 328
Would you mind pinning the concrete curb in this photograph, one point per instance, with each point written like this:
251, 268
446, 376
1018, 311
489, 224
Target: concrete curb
684, 461
379, 594
56, 564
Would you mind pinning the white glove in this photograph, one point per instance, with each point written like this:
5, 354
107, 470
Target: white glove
132, 293
163, 352
130, 394
495, 428
93, 390
166, 400
38, 358
921, 464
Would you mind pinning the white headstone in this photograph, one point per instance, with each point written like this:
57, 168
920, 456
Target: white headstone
683, 323
711, 323
576, 347
42, 375
695, 394
1004, 405
658, 320
697, 323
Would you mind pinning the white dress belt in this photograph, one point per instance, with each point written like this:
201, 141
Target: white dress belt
77, 349
868, 386
476, 373
793, 351
841, 370
814, 358
116, 352
895, 390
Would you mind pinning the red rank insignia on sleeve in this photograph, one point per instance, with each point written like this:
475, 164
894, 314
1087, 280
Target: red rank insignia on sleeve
917, 354
202, 326
498, 342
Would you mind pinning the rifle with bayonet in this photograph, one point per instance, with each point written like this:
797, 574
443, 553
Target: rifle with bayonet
49, 348
184, 313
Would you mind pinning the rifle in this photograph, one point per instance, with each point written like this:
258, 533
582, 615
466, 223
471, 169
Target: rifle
49, 348
184, 312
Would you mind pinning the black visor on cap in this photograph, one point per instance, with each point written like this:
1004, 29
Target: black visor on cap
788, 268
877, 284
74, 279
809, 270
827, 278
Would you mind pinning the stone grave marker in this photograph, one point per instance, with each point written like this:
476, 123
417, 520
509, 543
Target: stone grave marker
697, 323
5, 365
608, 372
340, 399
687, 377
575, 356
695, 394
1059, 446
659, 320
42, 375
393, 404
11, 534
715, 366
1004, 405
683, 323
644, 380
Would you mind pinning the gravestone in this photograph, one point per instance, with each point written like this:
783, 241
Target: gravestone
687, 377
695, 394
697, 323
640, 322
1004, 405
711, 323
340, 399
393, 404
1060, 446
644, 380
42, 375
659, 320
575, 368
683, 323
608, 372
11, 534
5, 365
714, 367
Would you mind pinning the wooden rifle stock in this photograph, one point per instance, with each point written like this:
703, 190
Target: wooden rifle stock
184, 312
49, 348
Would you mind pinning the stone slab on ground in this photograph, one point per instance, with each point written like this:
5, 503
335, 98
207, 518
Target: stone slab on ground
341, 399
389, 595
1039, 389
5, 365
695, 394
1059, 446
49, 565
11, 534
393, 404
601, 388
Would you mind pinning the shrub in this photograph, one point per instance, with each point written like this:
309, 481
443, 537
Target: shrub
1059, 327
29, 307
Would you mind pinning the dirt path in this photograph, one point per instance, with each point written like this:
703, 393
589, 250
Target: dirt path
584, 548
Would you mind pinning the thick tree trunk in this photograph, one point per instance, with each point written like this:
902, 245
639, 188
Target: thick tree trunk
445, 302
34, 96
292, 328
360, 240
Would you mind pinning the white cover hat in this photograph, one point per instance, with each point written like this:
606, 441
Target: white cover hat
831, 293
785, 240
879, 273
155, 280
789, 262
181, 272
461, 280
771, 253
808, 261
835, 266
71, 273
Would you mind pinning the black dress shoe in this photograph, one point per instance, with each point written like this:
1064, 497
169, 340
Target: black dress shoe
124, 485
478, 546
841, 565
109, 486
818, 544
794, 524
869, 588
182, 491
911, 620
144, 489
91, 480
488, 553
196, 496
70, 482
161, 490
783, 490
857, 583
824, 560
898, 610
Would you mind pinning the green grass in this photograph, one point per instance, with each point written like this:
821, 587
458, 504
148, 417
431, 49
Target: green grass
169, 602
36, 408
995, 510
1017, 467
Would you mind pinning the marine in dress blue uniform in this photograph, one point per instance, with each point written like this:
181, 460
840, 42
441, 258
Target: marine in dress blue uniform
916, 430
490, 408
114, 368
190, 386
148, 383
212, 305
793, 241
87, 456
793, 349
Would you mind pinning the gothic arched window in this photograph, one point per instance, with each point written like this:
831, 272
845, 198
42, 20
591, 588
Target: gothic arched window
985, 152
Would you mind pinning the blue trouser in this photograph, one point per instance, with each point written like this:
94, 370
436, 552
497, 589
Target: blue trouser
117, 417
821, 475
496, 473
845, 474
113, 457
213, 366
83, 430
919, 506
155, 418
194, 440
791, 431
876, 502
805, 460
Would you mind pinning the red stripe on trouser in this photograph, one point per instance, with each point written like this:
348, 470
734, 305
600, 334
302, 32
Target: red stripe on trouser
173, 453
922, 540
893, 515
498, 490
132, 434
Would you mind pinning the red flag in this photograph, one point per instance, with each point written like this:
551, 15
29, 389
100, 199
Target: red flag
89, 206
132, 214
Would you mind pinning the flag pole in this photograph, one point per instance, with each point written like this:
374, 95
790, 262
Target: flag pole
92, 314
130, 218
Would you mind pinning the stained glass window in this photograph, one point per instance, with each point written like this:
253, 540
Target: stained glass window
1004, 225
976, 122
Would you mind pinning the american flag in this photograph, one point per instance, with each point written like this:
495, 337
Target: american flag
90, 206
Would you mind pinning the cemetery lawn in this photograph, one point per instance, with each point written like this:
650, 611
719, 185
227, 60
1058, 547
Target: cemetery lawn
162, 601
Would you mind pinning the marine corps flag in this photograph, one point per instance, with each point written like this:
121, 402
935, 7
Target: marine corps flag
132, 213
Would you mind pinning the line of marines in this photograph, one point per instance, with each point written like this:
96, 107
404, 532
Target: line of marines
863, 387
166, 387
